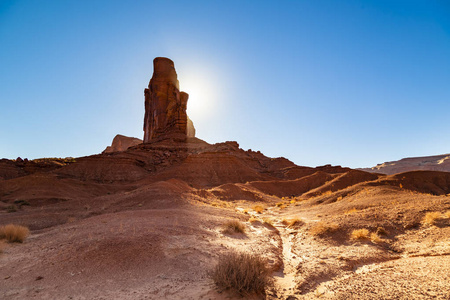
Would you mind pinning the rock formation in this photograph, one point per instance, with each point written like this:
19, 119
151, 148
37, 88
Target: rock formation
425, 163
165, 105
122, 143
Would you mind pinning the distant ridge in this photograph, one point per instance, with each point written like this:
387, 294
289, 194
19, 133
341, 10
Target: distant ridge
423, 163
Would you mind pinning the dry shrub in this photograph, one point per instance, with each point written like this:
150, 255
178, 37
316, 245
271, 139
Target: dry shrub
244, 273
296, 222
323, 228
382, 231
431, 218
360, 234
258, 208
376, 238
351, 211
268, 221
253, 220
14, 233
233, 226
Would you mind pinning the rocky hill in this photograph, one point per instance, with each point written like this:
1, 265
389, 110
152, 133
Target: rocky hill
425, 163
151, 221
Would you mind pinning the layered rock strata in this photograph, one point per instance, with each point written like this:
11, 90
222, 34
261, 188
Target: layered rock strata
165, 105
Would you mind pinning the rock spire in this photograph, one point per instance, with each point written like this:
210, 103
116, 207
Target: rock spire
165, 105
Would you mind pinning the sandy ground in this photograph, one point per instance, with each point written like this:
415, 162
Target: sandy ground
148, 224
168, 254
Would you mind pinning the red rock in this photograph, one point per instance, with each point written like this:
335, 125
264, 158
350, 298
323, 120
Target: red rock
190, 131
122, 143
165, 105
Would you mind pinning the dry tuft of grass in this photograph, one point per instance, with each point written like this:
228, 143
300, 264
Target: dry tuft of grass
360, 234
351, 211
375, 238
253, 220
233, 226
14, 233
323, 228
268, 221
431, 218
244, 273
258, 208
296, 222
382, 231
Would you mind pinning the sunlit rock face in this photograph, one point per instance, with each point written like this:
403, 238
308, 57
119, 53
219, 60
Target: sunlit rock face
165, 105
122, 143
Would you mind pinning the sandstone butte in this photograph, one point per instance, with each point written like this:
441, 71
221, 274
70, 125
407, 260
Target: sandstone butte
148, 221
165, 104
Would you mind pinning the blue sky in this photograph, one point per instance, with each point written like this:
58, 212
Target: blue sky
350, 83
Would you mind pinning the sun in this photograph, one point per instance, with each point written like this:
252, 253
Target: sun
201, 89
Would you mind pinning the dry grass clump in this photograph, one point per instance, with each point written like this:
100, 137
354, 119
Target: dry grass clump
268, 221
258, 208
351, 211
360, 234
296, 222
375, 238
253, 220
244, 273
323, 228
431, 218
233, 226
382, 231
14, 233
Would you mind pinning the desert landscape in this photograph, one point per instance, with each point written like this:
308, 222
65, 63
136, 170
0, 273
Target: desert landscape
157, 219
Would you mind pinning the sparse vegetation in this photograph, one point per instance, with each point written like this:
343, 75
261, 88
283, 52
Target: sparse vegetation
253, 220
431, 218
242, 272
323, 228
14, 233
268, 221
293, 222
258, 208
351, 211
375, 238
233, 226
360, 234
381, 231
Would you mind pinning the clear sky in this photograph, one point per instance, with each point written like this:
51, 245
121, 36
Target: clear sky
351, 83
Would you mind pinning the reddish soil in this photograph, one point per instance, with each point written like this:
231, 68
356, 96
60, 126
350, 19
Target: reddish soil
146, 223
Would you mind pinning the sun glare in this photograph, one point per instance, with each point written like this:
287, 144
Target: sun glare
200, 88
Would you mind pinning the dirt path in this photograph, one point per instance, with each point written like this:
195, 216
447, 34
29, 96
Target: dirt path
285, 279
